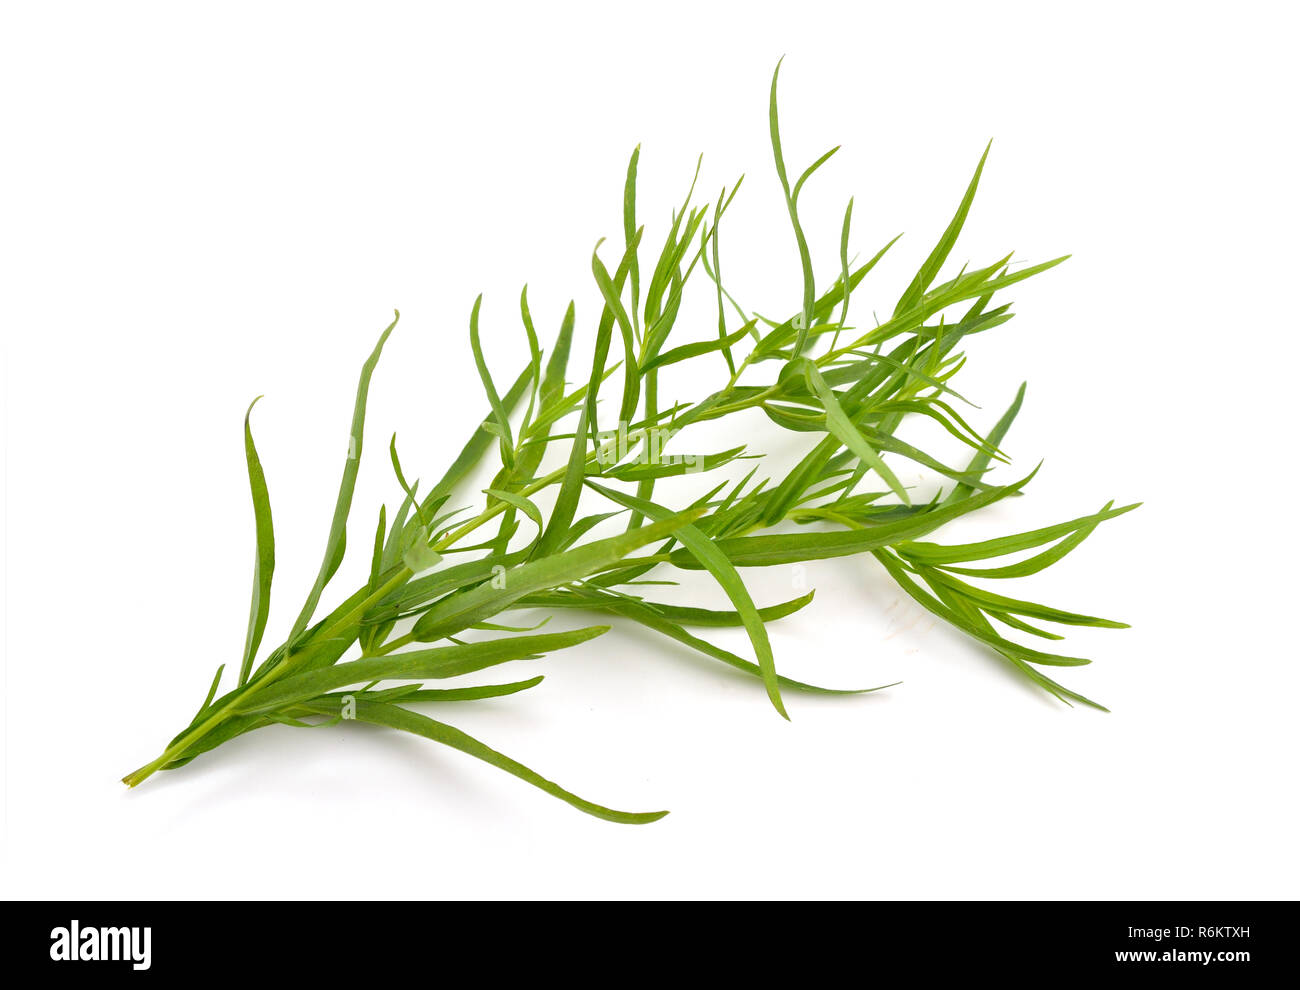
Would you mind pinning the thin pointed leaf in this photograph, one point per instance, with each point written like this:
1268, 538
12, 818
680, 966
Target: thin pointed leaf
687, 351
566, 503
632, 377
805, 259
438, 663
937, 554
713, 560
793, 548
264, 563
629, 233
463, 609
928, 271
839, 424
980, 462
553, 380
212, 691
337, 541
499, 416
395, 717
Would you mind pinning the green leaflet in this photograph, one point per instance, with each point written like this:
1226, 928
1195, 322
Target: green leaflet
673, 465
420, 591
1076, 530
805, 259
688, 351
337, 540
477, 444
939, 255
976, 626
782, 334
843, 430
804, 474
377, 554
438, 662
395, 717
605, 329
264, 564
465, 608
566, 504
766, 551
519, 502
500, 418
847, 287
712, 559
370, 635
680, 614
413, 692
632, 377
670, 257
989, 600
630, 228
657, 618
980, 462
212, 691
553, 382
724, 341
395, 543
534, 362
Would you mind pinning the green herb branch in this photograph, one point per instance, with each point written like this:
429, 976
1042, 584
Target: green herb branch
850, 400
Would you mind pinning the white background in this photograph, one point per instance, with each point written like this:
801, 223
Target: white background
202, 203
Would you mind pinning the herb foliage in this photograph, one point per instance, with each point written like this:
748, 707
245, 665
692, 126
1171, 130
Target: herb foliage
847, 388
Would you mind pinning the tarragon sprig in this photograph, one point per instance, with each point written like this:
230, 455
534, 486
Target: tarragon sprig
442, 589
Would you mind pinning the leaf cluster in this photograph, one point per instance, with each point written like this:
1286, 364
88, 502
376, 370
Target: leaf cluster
442, 588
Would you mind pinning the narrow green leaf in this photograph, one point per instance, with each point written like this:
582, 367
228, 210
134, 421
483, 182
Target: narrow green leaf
989, 600
807, 173
499, 415
526, 506
534, 363
805, 259
477, 445
843, 430
604, 330
926, 275
654, 618
395, 717
629, 232
673, 465
212, 691
463, 609
724, 344
681, 614
937, 554
566, 503
791, 548
556, 365
844, 271
264, 563
336, 543
687, 351
703, 550
438, 662
632, 376
377, 555
470, 693
980, 462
